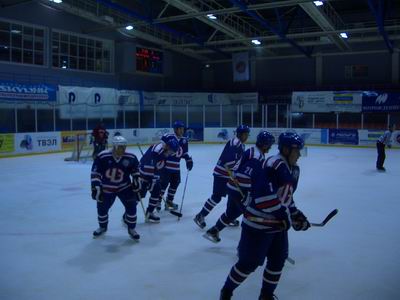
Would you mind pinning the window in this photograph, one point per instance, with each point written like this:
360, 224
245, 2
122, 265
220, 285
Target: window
149, 60
71, 51
21, 43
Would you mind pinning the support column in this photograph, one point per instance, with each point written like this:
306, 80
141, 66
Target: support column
318, 69
395, 66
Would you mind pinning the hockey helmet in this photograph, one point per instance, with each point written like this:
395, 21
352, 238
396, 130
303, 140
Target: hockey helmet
178, 124
290, 140
264, 138
242, 129
119, 140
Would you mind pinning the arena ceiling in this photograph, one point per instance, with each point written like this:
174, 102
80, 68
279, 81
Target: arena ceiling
211, 30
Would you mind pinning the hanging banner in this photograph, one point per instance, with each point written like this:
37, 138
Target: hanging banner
326, 101
27, 92
82, 102
166, 98
130, 99
380, 102
240, 65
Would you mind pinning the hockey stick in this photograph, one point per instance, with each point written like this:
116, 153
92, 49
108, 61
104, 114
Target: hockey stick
141, 202
277, 222
234, 181
327, 219
179, 214
140, 148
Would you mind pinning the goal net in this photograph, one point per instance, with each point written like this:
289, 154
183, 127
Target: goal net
82, 148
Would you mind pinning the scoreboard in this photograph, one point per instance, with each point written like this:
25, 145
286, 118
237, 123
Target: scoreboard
149, 60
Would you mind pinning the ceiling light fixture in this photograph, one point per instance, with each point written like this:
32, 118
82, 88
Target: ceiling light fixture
129, 27
256, 42
344, 35
318, 3
211, 17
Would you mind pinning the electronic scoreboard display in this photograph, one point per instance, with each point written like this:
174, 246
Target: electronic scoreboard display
149, 60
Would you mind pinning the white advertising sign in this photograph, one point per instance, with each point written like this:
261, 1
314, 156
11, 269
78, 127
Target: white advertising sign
37, 142
326, 101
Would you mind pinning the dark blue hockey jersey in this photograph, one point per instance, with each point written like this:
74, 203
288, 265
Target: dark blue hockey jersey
173, 161
153, 160
249, 168
284, 178
230, 156
114, 175
272, 194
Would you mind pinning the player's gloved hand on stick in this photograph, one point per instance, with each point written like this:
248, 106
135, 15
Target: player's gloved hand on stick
97, 193
299, 221
136, 184
284, 219
189, 164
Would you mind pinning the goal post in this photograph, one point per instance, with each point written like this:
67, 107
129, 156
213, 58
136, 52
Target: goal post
82, 148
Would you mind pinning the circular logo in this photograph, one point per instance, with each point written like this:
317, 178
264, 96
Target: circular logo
125, 162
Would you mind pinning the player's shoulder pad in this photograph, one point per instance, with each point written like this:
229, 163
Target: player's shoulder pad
104, 153
158, 148
235, 142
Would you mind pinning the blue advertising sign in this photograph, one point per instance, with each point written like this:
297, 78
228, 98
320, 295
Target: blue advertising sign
13, 91
343, 136
380, 102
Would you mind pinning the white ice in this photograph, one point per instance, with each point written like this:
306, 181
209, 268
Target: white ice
47, 250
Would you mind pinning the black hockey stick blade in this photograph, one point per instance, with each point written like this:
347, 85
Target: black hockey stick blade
327, 219
176, 213
291, 260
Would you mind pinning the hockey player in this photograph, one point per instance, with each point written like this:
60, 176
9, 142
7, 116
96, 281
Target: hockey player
99, 139
171, 174
111, 177
385, 139
151, 164
267, 219
230, 156
250, 169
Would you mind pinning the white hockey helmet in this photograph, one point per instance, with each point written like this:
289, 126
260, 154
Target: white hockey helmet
119, 140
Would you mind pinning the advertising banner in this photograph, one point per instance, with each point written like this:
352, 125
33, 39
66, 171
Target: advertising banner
13, 91
37, 142
7, 143
68, 139
168, 98
326, 101
380, 102
79, 102
343, 136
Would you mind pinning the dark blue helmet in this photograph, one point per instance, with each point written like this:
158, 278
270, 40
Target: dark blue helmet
172, 143
242, 129
178, 124
264, 138
290, 140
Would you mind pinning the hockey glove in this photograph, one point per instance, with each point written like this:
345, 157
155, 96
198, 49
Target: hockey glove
136, 184
189, 164
97, 193
283, 217
299, 221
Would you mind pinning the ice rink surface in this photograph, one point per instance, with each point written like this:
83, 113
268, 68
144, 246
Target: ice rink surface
47, 250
